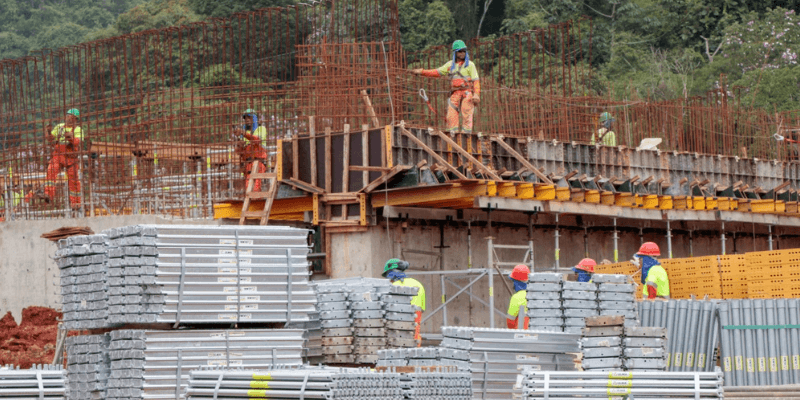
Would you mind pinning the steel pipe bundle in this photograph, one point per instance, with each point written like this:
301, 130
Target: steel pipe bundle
295, 383
84, 290
760, 341
496, 355
692, 331
424, 357
445, 383
87, 366
538, 385
39, 382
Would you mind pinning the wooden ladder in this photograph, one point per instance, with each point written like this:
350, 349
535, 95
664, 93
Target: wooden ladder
268, 196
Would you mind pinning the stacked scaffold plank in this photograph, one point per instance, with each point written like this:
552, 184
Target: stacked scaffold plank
644, 349
209, 274
616, 295
692, 331
84, 290
441, 383
39, 382
496, 355
87, 366
620, 385
601, 343
580, 302
424, 357
544, 301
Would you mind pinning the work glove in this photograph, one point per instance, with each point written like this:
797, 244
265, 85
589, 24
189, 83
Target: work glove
635, 261
417, 71
651, 292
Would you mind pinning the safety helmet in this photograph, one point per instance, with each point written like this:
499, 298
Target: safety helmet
605, 117
74, 111
459, 45
248, 112
587, 264
394, 263
520, 273
649, 249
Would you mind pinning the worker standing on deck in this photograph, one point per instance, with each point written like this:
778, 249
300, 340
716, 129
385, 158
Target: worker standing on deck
253, 148
605, 135
654, 276
585, 269
519, 276
394, 269
465, 88
66, 139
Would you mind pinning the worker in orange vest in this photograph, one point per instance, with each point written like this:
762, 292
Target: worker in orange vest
520, 297
252, 147
465, 87
66, 139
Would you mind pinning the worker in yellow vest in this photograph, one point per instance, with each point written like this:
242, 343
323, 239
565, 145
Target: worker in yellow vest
520, 297
394, 270
654, 276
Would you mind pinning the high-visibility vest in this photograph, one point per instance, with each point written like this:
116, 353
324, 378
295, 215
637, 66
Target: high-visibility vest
419, 299
518, 300
658, 276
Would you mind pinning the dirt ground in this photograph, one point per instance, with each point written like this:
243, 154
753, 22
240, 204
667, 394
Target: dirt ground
33, 341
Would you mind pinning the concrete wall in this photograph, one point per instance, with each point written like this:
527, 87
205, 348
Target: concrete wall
29, 275
363, 254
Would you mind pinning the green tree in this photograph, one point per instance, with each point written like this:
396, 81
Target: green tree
424, 24
224, 8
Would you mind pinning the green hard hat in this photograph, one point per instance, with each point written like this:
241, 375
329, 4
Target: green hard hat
459, 45
74, 111
394, 263
605, 117
249, 111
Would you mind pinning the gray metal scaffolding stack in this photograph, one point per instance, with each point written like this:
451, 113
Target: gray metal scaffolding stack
444, 383
337, 325
84, 291
760, 342
400, 315
424, 357
544, 301
496, 355
579, 302
87, 366
692, 329
601, 344
210, 274
645, 349
147, 364
294, 383
616, 295
540, 385
39, 382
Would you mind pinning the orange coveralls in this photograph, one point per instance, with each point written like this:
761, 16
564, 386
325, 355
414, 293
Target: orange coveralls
65, 156
464, 86
254, 152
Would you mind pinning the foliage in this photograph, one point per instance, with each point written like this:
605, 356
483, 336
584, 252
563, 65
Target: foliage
425, 23
224, 8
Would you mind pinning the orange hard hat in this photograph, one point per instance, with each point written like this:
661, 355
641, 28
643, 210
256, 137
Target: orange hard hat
649, 249
587, 264
520, 273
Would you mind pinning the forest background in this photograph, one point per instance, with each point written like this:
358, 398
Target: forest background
642, 49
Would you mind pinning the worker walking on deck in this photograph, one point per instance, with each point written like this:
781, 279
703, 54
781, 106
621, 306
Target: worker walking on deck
585, 269
465, 88
253, 148
66, 139
605, 135
519, 276
394, 269
654, 276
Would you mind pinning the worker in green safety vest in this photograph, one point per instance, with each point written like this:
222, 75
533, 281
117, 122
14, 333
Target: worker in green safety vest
654, 276
519, 276
394, 269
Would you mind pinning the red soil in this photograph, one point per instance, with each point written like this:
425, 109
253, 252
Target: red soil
31, 342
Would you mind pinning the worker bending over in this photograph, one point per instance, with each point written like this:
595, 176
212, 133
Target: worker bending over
66, 139
654, 276
585, 269
253, 148
394, 271
465, 88
519, 276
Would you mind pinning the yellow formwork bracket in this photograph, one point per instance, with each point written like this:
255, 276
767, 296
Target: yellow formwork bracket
625, 200
592, 196
545, 192
607, 198
577, 195
506, 189
650, 202
563, 193
698, 203
524, 191
665, 202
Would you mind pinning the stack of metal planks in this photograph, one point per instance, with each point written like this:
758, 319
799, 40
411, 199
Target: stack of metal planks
601, 344
337, 325
496, 355
579, 302
400, 315
84, 290
87, 366
616, 296
39, 382
644, 349
424, 357
544, 301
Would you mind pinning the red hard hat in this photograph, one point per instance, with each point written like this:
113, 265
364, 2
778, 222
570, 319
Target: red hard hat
649, 249
520, 273
587, 264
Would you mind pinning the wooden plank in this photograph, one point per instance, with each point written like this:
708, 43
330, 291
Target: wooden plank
370, 169
499, 140
365, 152
250, 184
433, 154
295, 158
297, 184
328, 161
385, 177
466, 155
345, 164
370, 109
313, 146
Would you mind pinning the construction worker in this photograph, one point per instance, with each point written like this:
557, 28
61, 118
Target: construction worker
519, 276
394, 271
465, 88
605, 135
585, 269
654, 276
253, 148
66, 139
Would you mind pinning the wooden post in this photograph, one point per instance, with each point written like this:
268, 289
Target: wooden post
312, 145
328, 161
370, 110
365, 154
